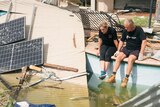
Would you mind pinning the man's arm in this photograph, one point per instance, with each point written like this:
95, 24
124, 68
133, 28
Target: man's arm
143, 45
119, 48
116, 43
120, 45
99, 45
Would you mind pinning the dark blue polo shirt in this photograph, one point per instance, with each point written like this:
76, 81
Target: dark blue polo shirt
133, 39
109, 37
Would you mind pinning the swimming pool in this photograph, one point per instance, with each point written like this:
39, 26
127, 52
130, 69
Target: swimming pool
104, 94
2, 12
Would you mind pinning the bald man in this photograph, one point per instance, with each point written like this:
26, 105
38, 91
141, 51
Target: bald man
135, 44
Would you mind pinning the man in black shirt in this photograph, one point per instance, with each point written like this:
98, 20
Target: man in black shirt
107, 46
135, 44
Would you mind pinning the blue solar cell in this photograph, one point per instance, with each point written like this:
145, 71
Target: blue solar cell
17, 55
12, 31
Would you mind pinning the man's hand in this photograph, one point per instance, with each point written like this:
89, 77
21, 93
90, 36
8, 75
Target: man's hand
140, 57
116, 53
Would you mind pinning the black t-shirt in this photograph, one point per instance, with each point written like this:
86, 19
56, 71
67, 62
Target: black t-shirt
109, 37
133, 39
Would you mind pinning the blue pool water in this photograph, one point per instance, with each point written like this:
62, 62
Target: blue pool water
2, 12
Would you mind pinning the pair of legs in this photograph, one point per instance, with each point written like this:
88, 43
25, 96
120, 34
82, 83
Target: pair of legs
120, 57
105, 57
104, 65
132, 56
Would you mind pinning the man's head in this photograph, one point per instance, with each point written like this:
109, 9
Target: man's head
129, 25
103, 27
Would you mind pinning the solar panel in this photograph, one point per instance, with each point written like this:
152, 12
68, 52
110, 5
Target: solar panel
25, 53
12, 31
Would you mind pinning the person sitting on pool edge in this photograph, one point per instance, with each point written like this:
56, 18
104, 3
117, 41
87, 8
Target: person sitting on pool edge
107, 46
135, 45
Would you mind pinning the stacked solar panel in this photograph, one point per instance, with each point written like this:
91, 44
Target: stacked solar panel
12, 31
14, 56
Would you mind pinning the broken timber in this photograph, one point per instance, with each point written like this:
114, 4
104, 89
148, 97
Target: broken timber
5, 83
21, 81
60, 67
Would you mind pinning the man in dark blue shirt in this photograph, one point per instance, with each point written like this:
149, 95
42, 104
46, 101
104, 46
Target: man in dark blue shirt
135, 44
107, 46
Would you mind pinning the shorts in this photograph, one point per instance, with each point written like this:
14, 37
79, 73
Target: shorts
106, 52
130, 52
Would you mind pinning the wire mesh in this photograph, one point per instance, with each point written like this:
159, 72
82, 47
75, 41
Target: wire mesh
92, 19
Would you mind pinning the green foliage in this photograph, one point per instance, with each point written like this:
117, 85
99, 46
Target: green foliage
5, 98
140, 21
10, 102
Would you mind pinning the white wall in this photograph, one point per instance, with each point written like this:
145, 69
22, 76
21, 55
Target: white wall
105, 5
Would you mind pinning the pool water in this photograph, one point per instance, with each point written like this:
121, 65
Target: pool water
111, 95
62, 94
74, 95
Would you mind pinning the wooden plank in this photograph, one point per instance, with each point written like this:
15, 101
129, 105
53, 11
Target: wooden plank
149, 45
92, 36
60, 67
153, 40
33, 67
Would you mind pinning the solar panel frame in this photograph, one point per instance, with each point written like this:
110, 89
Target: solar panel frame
12, 31
24, 53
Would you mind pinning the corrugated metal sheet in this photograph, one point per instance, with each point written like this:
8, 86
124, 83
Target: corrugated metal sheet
148, 98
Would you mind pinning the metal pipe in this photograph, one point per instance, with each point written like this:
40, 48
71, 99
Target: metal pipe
37, 82
57, 79
85, 3
93, 5
71, 77
150, 15
32, 22
8, 12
